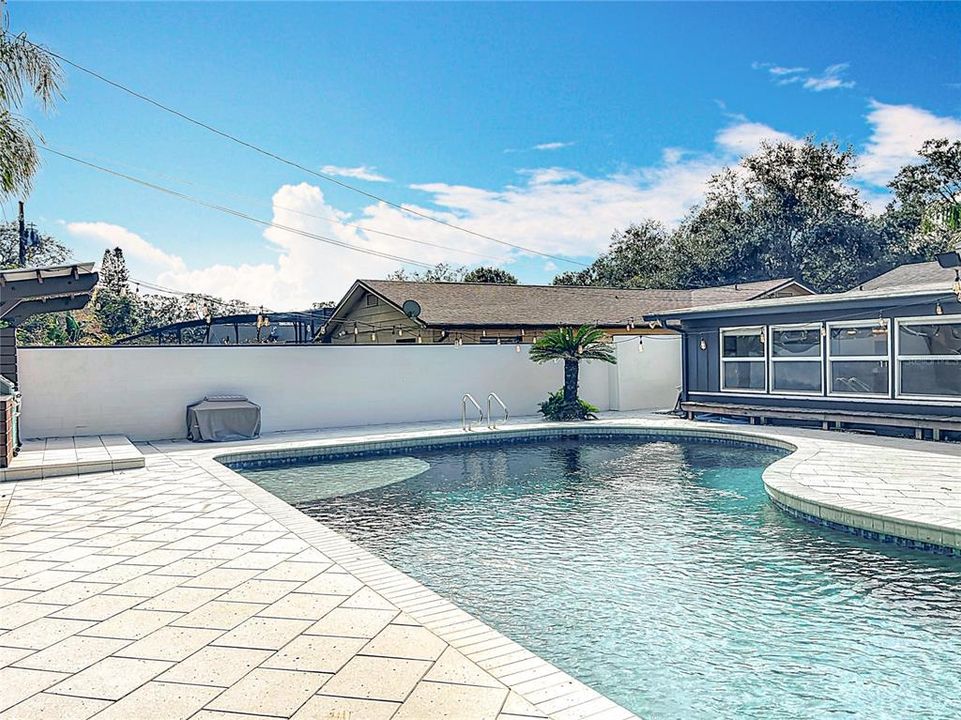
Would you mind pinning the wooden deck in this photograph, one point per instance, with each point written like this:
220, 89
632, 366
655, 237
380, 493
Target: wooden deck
829, 419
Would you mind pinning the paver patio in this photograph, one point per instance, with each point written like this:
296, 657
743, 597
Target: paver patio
182, 590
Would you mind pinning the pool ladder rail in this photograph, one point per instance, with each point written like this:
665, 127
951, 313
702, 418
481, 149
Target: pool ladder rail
467, 424
491, 423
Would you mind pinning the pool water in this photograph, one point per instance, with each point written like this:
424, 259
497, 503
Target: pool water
660, 574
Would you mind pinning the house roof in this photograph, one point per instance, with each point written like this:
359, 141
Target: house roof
491, 305
939, 290
922, 280
923, 273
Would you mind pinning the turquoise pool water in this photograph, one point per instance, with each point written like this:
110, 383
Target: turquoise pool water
660, 574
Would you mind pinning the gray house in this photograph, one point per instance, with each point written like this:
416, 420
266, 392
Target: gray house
886, 354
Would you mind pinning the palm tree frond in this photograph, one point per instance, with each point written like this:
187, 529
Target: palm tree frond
18, 156
583, 343
25, 66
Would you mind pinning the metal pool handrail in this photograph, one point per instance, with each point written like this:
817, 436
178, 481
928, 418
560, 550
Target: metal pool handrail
465, 424
490, 421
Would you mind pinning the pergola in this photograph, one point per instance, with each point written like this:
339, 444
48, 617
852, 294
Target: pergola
25, 292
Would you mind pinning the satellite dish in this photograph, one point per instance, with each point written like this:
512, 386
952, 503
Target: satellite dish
411, 308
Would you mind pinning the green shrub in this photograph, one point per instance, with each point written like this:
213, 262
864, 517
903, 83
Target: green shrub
554, 408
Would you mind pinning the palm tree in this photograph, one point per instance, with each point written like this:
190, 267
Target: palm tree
24, 68
572, 345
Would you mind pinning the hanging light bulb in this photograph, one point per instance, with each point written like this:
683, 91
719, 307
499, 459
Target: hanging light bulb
420, 340
517, 348
824, 331
703, 344
640, 344
373, 337
400, 331
484, 333
938, 309
355, 330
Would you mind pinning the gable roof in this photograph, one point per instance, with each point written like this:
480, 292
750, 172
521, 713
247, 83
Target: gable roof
922, 273
491, 305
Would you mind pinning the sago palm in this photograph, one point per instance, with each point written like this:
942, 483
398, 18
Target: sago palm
24, 68
572, 345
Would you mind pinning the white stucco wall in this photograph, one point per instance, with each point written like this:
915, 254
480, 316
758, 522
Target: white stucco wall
649, 379
142, 392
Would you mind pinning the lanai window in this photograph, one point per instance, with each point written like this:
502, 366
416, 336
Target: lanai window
743, 360
796, 365
929, 358
858, 358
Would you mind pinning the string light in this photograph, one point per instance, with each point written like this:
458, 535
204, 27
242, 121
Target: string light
517, 348
938, 310
640, 344
703, 344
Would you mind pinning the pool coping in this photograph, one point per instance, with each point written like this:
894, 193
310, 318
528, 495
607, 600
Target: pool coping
503, 658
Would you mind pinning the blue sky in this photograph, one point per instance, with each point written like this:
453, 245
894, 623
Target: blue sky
545, 125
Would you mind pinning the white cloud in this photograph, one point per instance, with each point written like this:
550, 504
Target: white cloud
830, 79
552, 145
745, 137
139, 252
541, 147
897, 132
361, 172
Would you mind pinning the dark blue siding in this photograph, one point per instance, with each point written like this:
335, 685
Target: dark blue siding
702, 367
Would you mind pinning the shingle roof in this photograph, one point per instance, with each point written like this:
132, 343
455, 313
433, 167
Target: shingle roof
767, 305
486, 304
924, 273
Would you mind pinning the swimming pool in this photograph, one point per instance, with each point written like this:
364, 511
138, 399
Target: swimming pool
659, 574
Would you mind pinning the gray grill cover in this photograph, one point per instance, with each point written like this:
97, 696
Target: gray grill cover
223, 417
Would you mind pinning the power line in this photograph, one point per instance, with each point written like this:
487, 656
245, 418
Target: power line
292, 163
364, 228
238, 213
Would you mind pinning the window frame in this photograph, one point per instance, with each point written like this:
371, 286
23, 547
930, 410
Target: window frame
917, 320
761, 331
819, 358
830, 358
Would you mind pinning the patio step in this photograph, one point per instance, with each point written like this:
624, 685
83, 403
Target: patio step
56, 457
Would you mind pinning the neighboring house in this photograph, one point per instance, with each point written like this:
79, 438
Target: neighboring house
885, 354
372, 311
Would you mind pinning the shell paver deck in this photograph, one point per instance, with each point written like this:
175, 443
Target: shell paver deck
183, 590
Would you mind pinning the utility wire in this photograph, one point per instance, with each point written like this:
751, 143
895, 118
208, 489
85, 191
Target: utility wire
328, 218
292, 163
237, 213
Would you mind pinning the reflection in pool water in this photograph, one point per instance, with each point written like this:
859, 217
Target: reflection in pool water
660, 574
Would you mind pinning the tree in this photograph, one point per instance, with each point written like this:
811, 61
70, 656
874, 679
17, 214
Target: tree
114, 275
788, 210
924, 218
47, 251
119, 311
25, 69
490, 275
570, 345
441, 272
